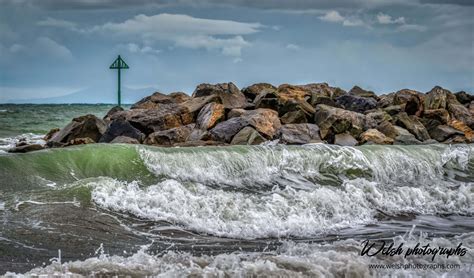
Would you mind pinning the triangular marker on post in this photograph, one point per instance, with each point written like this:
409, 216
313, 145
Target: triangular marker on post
119, 64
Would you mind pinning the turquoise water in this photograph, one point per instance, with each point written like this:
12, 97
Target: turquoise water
238, 211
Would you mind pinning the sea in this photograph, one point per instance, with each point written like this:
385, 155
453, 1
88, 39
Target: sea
237, 211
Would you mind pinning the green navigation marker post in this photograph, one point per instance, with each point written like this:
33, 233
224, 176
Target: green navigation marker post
119, 64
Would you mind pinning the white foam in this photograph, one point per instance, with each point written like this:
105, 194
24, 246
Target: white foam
278, 213
30, 138
337, 259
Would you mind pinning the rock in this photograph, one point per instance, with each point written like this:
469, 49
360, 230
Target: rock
120, 127
26, 148
394, 109
345, 139
288, 92
267, 99
251, 92
124, 140
400, 135
376, 137
412, 124
406, 139
169, 115
412, 101
199, 135
323, 89
155, 100
210, 115
457, 139
358, 91
356, 103
247, 136
80, 141
229, 95
235, 113
386, 100
111, 112
373, 119
332, 120
170, 136
197, 103
461, 126
50, 134
265, 121
439, 115
442, 132
294, 117
88, 126
471, 107
299, 134
460, 112
464, 97
436, 98
225, 131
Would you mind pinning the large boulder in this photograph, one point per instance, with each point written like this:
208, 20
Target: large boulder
210, 115
358, 91
229, 95
356, 103
373, 119
287, 98
345, 139
443, 132
332, 120
463, 97
298, 134
170, 136
376, 137
225, 131
88, 126
265, 121
111, 112
400, 135
168, 116
294, 117
412, 124
436, 98
247, 136
251, 92
120, 127
460, 112
461, 126
411, 100
195, 104
323, 89
154, 101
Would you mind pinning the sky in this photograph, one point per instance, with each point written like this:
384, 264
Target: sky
60, 51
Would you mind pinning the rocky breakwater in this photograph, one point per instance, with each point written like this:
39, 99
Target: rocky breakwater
222, 114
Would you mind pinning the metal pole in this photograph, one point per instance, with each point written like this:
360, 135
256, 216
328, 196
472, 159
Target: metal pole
119, 100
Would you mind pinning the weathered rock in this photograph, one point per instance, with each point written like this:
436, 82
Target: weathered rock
121, 127
386, 100
376, 137
323, 89
394, 109
400, 135
471, 107
332, 120
288, 92
251, 92
443, 132
406, 139
88, 126
155, 100
439, 115
124, 140
170, 136
345, 139
461, 126
322, 99
152, 120
225, 131
412, 101
199, 143
412, 124
26, 148
265, 121
436, 98
358, 91
80, 141
464, 97
247, 136
457, 139
229, 95
199, 135
210, 115
294, 117
373, 119
111, 112
356, 103
235, 113
460, 112
299, 134
197, 103
50, 134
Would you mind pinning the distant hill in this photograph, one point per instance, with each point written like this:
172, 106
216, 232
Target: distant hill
93, 95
